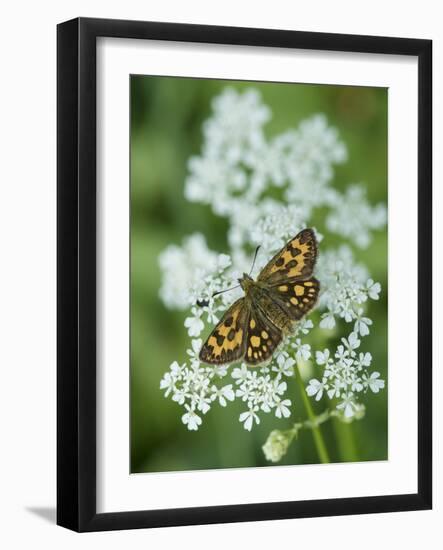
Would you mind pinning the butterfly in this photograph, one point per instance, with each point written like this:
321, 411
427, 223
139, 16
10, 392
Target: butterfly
285, 290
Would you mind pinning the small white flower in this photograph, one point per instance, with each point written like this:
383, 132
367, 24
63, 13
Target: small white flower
303, 351
194, 324
327, 321
359, 411
265, 369
180, 395
248, 418
223, 394
341, 354
194, 352
220, 370
246, 392
203, 403
304, 326
279, 387
281, 408
374, 382
364, 360
167, 383
280, 355
362, 324
285, 364
241, 374
335, 389
348, 405
191, 419
351, 343
356, 384
374, 289
322, 357
315, 388
176, 369
211, 314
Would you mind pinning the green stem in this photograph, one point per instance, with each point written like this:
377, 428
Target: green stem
316, 431
345, 439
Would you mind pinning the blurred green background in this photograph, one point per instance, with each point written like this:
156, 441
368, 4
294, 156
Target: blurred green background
166, 121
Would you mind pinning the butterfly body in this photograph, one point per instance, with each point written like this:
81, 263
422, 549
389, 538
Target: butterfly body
257, 295
285, 290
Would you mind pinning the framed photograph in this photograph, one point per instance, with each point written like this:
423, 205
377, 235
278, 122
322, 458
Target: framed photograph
244, 274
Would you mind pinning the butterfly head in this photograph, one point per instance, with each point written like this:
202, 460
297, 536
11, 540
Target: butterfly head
246, 282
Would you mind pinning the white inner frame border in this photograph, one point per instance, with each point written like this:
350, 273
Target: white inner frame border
117, 490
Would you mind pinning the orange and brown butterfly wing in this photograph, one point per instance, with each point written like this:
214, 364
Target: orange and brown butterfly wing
252, 331
263, 338
227, 342
296, 260
296, 296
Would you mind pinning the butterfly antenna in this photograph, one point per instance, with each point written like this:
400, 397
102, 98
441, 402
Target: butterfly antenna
225, 290
255, 257
205, 303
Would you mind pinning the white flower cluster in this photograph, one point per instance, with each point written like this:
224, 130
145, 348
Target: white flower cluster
194, 387
346, 287
353, 218
218, 177
267, 188
197, 266
345, 376
263, 392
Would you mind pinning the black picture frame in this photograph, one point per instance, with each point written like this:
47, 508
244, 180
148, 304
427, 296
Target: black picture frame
76, 273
